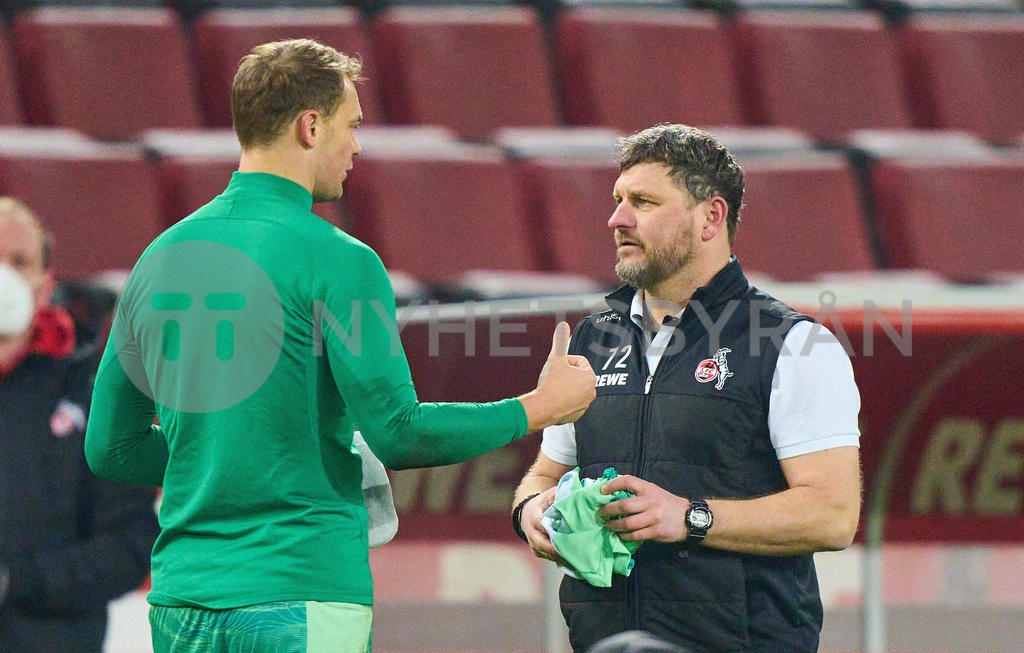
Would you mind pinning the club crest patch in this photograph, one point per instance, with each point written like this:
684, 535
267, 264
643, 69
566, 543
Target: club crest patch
68, 418
716, 367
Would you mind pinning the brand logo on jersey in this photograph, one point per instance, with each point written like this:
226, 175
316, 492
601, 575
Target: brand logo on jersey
618, 378
218, 326
605, 318
716, 367
66, 419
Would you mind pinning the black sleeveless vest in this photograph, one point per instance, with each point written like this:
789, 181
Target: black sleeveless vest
698, 428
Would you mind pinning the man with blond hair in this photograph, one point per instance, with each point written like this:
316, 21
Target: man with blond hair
259, 335
69, 542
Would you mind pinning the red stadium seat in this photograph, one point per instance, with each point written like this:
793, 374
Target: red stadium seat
187, 183
190, 10
631, 69
761, 141
822, 73
437, 215
557, 142
10, 105
100, 201
802, 218
965, 73
223, 37
110, 73
918, 143
471, 69
194, 167
960, 218
571, 204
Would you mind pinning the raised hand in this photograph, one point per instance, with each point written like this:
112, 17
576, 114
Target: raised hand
565, 387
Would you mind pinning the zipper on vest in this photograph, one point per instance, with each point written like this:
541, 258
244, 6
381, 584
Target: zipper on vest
633, 592
632, 585
633, 588
645, 410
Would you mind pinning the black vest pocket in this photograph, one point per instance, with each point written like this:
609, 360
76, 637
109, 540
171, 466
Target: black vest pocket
593, 613
695, 597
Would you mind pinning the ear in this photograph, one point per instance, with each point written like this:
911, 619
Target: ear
44, 293
716, 213
308, 125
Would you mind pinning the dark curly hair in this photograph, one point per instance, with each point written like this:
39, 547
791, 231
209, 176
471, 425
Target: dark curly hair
700, 164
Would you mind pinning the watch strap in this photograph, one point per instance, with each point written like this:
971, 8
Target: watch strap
695, 534
517, 517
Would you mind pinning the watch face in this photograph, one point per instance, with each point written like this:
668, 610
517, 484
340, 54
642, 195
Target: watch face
700, 518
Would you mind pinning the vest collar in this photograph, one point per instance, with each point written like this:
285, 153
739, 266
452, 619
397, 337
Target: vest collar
729, 283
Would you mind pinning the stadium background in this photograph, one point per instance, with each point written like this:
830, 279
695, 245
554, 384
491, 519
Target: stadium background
882, 142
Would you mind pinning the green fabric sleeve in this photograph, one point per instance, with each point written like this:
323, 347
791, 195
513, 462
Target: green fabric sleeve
121, 441
361, 341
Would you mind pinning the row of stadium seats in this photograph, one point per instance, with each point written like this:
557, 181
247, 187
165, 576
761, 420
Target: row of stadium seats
477, 70
190, 9
443, 210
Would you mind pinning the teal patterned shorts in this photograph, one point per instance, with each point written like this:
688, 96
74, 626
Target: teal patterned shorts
284, 627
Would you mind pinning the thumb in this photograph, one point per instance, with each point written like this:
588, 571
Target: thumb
560, 341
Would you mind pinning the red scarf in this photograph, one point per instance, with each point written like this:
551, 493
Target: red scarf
53, 335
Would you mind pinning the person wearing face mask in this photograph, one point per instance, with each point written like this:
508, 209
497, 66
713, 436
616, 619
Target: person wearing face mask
69, 541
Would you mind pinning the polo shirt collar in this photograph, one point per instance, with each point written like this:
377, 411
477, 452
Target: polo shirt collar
636, 312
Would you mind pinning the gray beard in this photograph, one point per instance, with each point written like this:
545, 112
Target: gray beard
641, 276
658, 266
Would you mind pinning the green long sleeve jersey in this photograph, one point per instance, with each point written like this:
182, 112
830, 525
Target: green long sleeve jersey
258, 334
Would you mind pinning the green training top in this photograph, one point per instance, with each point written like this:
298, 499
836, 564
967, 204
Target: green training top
258, 335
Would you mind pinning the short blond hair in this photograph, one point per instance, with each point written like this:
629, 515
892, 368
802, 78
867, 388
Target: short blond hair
277, 81
15, 208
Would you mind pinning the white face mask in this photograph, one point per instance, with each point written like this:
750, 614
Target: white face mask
17, 304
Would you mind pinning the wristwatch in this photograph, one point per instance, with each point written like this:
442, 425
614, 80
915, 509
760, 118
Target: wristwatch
698, 521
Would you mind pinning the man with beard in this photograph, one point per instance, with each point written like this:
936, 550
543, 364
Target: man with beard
731, 418
69, 542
